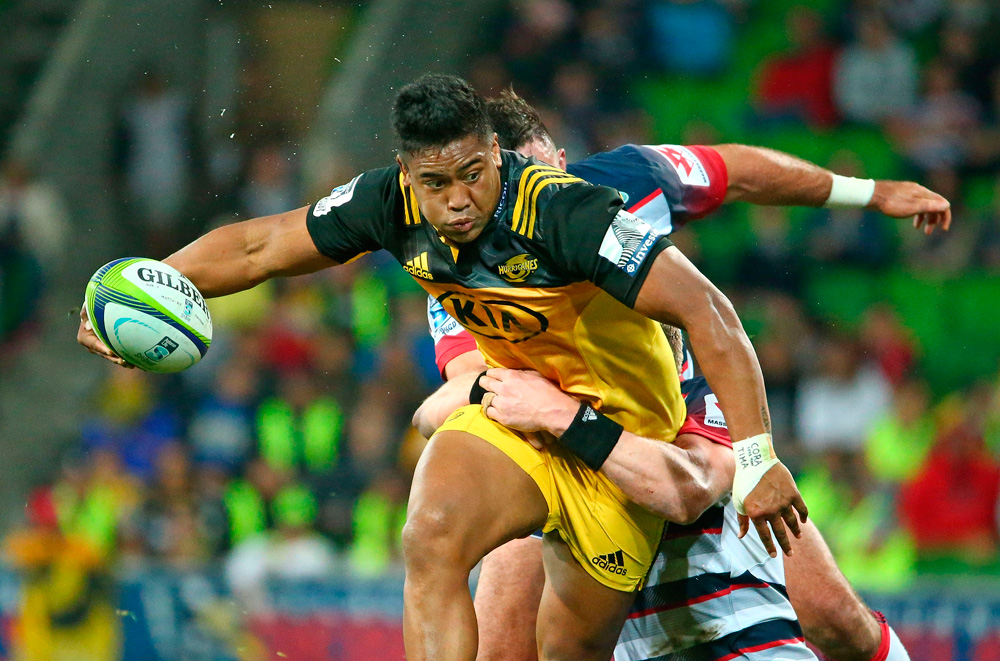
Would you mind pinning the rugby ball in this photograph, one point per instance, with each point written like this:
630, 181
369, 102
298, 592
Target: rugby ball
149, 314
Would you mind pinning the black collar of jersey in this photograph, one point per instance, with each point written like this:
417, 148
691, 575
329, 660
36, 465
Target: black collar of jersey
502, 256
504, 184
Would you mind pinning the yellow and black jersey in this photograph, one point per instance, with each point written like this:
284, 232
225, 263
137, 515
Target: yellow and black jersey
548, 285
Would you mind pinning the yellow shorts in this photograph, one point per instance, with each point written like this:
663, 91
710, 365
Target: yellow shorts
610, 536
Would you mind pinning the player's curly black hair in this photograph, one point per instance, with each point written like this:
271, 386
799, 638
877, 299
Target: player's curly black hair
515, 121
436, 110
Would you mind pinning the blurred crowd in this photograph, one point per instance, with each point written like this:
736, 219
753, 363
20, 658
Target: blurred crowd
288, 452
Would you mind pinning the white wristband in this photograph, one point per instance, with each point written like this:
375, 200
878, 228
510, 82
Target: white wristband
850, 192
754, 457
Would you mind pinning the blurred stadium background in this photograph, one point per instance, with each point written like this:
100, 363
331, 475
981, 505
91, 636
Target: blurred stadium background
250, 508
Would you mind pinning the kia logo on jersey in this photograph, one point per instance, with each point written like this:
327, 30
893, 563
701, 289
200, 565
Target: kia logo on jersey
494, 319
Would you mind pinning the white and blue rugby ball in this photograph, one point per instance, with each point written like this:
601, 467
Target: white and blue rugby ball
149, 314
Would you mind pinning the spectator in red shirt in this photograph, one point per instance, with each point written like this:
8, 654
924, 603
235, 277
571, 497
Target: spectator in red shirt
798, 84
950, 506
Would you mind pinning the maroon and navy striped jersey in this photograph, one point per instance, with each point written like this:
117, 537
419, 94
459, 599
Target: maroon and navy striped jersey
711, 596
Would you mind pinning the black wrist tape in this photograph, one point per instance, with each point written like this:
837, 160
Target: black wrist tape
592, 436
478, 392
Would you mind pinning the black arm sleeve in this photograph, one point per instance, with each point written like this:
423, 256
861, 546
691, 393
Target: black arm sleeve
590, 236
352, 220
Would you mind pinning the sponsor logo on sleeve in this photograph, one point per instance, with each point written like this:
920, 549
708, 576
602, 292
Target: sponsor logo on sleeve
441, 323
339, 196
689, 167
713, 414
627, 242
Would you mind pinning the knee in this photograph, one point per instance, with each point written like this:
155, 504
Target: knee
433, 537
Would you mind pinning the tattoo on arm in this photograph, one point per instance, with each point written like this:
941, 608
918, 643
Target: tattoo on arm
766, 418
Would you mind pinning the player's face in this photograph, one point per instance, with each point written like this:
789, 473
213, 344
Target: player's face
457, 186
545, 152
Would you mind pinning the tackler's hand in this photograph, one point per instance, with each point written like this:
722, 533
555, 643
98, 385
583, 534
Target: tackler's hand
906, 199
526, 401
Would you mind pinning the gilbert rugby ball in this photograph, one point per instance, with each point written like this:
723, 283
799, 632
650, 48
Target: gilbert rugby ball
149, 314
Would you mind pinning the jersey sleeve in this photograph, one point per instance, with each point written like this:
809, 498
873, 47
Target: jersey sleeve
704, 417
589, 236
693, 180
352, 219
450, 339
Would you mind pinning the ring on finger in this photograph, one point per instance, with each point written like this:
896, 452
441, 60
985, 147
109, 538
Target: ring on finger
488, 399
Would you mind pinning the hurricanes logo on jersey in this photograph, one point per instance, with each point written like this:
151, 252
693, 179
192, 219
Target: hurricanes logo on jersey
494, 319
417, 267
517, 269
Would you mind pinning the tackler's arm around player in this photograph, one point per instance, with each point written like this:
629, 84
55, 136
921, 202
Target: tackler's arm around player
454, 394
675, 292
677, 481
768, 177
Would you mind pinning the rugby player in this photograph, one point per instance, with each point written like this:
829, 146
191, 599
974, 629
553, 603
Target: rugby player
709, 594
453, 211
833, 616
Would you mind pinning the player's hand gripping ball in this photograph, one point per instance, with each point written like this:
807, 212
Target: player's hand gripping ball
149, 314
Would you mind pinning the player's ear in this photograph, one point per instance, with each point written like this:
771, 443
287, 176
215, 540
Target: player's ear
405, 170
497, 160
561, 158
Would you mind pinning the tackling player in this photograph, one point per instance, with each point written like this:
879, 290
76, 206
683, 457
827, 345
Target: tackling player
582, 278
709, 594
833, 616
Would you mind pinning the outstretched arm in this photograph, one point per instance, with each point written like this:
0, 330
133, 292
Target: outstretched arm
242, 255
766, 176
677, 481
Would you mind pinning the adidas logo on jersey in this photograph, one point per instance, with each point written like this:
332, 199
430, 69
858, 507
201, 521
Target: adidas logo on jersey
417, 267
612, 562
